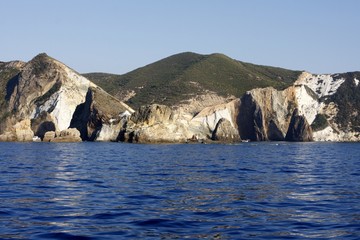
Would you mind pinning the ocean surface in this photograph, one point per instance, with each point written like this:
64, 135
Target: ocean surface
185, 191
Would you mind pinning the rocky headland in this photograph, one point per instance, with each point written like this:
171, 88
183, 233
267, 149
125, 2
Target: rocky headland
44, 100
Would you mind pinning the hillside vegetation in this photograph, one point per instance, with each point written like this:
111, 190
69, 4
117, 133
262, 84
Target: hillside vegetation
179, 77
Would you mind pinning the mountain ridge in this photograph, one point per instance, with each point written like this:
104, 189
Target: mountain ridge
189, 74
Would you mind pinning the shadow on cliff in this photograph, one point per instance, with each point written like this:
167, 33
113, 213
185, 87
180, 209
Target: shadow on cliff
84, 119
256, 125
10, 86
250, 120
43, 128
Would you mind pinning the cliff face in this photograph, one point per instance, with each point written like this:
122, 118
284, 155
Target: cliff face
312, 109
43, 99
330, 104
159, 123
48, 93
299, 129
46, 85
8, 71
265, 114
100, 116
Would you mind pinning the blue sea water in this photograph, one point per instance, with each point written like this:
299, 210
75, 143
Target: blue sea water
195, 191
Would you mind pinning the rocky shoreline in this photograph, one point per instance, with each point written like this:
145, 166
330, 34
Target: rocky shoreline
48, 101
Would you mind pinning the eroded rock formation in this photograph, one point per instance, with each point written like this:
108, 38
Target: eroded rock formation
20, 132
225, 132
44, 99
67, 135
55, 98
299, 129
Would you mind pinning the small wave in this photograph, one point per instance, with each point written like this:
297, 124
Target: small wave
144, 197
5, 213
247, 170
153, 222
87, 181
62, 235
165, 223
111, 215
212, 214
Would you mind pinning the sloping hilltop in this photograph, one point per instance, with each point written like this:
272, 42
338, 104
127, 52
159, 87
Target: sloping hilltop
183, 76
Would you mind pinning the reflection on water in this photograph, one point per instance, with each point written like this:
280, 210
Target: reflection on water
112, 191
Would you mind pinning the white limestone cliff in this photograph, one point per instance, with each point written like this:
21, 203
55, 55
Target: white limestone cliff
310, 105
210, 116
46, 85
64, 102
323, 85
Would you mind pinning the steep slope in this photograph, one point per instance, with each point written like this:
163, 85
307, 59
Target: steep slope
180, 77
8, 71
50, 95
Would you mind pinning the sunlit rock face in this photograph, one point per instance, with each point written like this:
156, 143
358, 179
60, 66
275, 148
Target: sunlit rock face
159, 123
46, 85
44, 96
155, 123
20, 132
265, 114
322, 85
98, 117
331, 98
308, 110
225, 132
67, 135
49, 93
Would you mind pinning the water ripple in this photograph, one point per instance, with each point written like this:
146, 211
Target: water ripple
112, 191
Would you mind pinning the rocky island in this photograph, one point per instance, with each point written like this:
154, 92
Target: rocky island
187, 97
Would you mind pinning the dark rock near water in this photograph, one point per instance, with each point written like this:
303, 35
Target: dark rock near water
299, 129
225, 132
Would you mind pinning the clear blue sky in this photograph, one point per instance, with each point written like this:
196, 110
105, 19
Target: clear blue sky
320, 36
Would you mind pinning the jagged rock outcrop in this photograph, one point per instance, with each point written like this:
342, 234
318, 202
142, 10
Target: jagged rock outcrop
152, 114
153, 123
67, 135
265, 114
198, 103
334, 97
8, 71
159, 123
20, 132
45, 99
56, 98
225, 132
204, 123
42, 124
49, 136
299, 129
99, 117
46, 85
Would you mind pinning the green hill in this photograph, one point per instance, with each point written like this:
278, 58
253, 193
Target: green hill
178, 77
